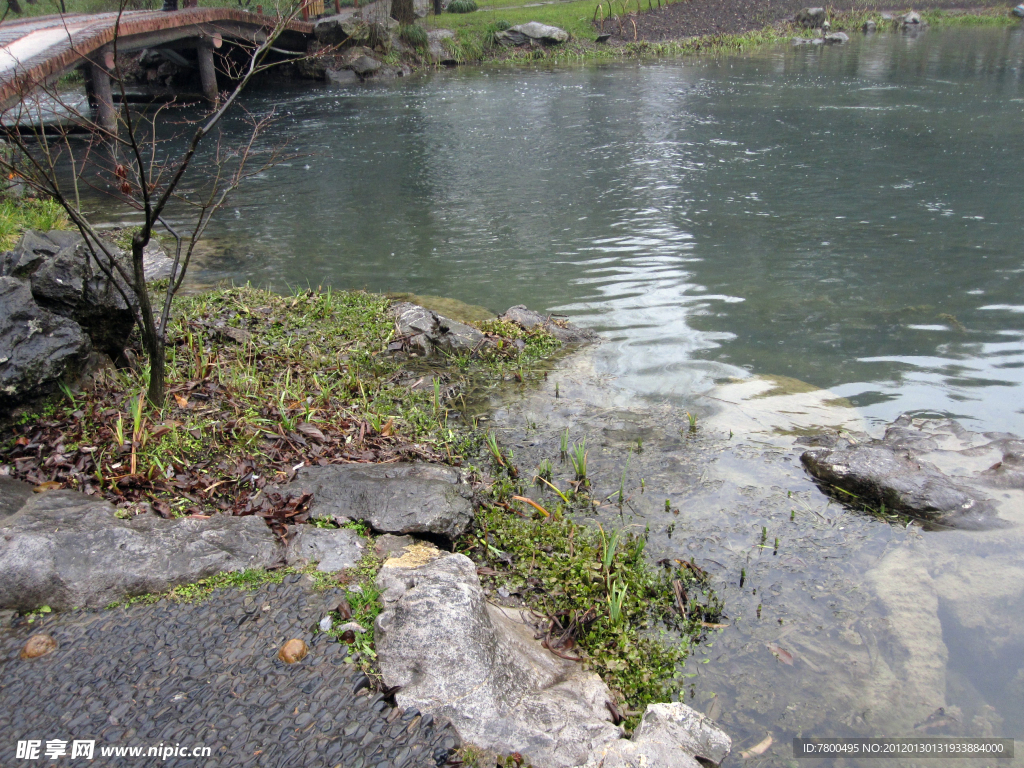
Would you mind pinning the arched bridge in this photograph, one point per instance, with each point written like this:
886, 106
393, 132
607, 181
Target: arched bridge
35, 52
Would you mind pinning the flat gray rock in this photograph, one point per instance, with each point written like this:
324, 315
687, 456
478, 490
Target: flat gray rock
333, 549
13, 495
563, 330
669, 736
429, 332
388, 545
393, 498
65, 550
532, 31
457, 657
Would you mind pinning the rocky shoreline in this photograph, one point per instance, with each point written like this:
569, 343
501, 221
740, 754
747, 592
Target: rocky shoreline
489, 673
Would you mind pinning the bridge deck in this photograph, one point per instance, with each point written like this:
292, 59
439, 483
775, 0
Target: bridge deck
33, 51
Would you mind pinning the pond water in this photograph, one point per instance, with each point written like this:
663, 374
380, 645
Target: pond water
848, 217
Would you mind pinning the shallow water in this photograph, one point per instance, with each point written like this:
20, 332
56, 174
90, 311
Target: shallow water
847, 217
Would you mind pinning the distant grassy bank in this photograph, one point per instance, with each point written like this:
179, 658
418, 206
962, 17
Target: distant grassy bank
475, 31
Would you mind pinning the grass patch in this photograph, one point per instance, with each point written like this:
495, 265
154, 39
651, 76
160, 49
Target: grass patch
414, 35
601, 601
258, 384
18, 214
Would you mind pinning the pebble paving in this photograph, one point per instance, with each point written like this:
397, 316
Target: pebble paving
207, 674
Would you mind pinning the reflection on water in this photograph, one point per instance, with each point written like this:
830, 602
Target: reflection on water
848, 217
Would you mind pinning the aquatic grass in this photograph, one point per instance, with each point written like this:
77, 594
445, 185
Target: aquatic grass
578, 457
636, 639
616, 597
553, 487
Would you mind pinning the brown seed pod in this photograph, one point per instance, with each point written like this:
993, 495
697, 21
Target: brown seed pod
38, 645
126, 188
292, 651
120, 171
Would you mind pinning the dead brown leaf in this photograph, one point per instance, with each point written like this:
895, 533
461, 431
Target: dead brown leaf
758, 749
781, 653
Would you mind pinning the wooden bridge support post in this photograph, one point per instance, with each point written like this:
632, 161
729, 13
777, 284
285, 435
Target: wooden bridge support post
207, 71
105, 113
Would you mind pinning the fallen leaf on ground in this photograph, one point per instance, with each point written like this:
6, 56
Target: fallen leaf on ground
50, 485
310, 431
181, 401
758, 749
781, 653
710, 625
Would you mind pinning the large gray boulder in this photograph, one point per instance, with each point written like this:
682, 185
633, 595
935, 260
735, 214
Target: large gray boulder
888, 473
563, 330
532, 32
38, 348
392, 498
670, 736
66, 280
365, 65
437, 50
65, 550
331, 29
332, 549
457, 657
427, 331
341, 76
811, 18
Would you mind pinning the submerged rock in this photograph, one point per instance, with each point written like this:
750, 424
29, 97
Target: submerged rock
892, 472
457, 657
836, 37
66, 550
911, 19
392, 498
869, 26
532, 32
